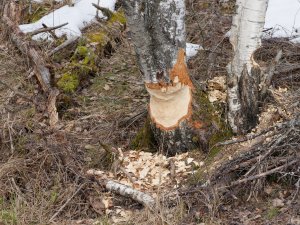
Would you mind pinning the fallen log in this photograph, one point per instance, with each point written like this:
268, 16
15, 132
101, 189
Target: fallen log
122, 189
20, 40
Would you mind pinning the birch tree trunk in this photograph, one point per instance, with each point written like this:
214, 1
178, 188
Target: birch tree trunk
243, 72
158, 34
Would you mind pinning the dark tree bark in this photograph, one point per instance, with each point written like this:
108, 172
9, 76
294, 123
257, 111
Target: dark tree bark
158, 33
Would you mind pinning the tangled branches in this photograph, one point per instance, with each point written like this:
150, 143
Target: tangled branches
275, 152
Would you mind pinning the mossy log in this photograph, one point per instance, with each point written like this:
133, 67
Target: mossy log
97, 42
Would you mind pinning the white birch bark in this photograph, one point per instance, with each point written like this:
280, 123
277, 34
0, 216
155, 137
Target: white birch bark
243, 71
123, 189
158, 33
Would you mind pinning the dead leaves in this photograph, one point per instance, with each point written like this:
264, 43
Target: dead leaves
217, 89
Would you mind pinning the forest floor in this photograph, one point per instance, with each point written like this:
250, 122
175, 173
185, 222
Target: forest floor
43, 170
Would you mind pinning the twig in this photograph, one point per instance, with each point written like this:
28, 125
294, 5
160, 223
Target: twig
117, 164
63, 45
51, 107
105, 11
129, 176
12, 147
46, 29
66, 203
97, 12
261, 158
269, 75
263, 174
172, 169
50, 31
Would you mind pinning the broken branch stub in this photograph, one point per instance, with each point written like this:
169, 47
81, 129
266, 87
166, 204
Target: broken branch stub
158, 34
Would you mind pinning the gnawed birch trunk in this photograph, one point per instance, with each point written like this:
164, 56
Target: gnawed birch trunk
158, 34
243, 72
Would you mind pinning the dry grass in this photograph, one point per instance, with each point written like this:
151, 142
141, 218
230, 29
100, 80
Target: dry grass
42, 171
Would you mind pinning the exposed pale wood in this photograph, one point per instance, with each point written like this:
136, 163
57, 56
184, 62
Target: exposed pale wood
158, 35
51, 107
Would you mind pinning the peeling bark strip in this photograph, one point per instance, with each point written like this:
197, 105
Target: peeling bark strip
158, 33
21, 42
243, 72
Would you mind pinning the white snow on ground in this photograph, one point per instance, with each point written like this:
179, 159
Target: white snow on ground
192, 49
77, 17
284, 17
40, 1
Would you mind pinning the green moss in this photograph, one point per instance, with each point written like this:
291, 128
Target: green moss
8, 217
144, 138
205, 5
214, 122
68, 82
228, 8
84, 59
272, 212
211, 116
53, 196
118, 17
81, 51
30, 112
99, 37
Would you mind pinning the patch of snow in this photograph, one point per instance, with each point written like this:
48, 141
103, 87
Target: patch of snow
78, 17
192, 50
41, 1
284, 17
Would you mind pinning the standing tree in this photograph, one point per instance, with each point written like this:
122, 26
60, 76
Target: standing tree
158, 33
243, 72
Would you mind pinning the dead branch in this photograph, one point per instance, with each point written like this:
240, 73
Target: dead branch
117, 164
63, 45
265, 173
21, 42
280, 146
50, 31
66, 203
123, 190
269, 75
52, 111
105, 11
45, 29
